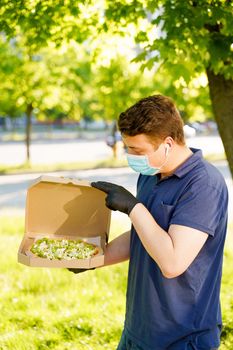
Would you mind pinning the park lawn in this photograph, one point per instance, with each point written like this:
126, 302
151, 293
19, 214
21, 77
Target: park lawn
41, 168
95, 164
56, 309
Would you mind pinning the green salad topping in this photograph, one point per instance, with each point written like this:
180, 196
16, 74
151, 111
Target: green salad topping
62, 249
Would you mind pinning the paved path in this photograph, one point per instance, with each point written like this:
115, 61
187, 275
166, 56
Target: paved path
58, 150
47, 151
13, 187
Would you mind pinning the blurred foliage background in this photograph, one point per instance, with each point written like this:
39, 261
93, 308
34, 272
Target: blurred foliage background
92, 59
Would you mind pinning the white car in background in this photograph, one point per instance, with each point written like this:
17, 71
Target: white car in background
189, 131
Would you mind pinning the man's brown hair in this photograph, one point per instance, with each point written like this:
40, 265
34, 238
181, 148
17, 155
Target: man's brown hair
155, 116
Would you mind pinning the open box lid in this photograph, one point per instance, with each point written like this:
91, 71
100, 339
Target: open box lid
66, 206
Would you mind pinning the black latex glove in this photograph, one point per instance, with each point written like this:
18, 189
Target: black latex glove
76, 271
118, 198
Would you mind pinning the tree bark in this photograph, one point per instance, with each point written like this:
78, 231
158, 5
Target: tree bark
221, 95
29, 110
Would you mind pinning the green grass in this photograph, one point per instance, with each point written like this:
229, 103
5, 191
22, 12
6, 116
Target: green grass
227, 293
215, 157
56, 309
30, 168
95, 164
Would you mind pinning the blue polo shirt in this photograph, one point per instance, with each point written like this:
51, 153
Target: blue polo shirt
182, 312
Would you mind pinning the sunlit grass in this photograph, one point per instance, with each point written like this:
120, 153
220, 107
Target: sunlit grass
95, 164
215, 157
56, 309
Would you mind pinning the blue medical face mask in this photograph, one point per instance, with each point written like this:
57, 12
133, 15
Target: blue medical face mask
141, 164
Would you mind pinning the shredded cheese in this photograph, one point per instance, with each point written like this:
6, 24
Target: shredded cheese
62, 249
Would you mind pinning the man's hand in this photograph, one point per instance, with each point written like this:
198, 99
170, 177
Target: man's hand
118, 198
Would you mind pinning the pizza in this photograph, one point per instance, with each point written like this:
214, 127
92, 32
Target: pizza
59, 249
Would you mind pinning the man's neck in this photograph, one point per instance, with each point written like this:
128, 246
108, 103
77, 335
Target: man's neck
177, 157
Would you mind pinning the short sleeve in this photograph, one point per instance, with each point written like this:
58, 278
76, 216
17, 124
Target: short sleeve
201, 208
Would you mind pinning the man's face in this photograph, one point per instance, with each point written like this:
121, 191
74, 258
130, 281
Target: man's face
139, 144
143, 145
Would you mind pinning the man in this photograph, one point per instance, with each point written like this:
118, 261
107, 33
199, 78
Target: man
175, 246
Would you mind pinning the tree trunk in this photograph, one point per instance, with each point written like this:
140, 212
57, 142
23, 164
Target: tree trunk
29, 110
221, 94
114, 151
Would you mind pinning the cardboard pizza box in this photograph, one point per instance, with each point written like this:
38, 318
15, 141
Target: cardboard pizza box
58, 207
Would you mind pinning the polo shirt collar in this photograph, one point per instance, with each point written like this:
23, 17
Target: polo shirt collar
190, 163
